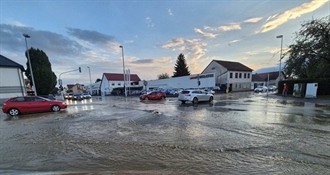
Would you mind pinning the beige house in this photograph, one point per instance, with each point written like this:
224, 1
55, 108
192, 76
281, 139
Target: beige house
232, 75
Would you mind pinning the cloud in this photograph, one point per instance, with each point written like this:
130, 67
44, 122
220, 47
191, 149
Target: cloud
193, 50
151, 62
149, 22
292, 14
253, 20
90, 36
170, 12
51, 43
233, 41
224, 28
232, 26
209, 35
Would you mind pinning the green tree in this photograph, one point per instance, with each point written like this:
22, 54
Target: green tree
163, 76
309, 56
181, 68
44, 77
97, 80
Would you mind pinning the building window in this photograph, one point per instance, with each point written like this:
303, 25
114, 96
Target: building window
112, 84
248, 75
213, 68
240, 75
231, 75
236, 75
240, 86
119, 84
244, 75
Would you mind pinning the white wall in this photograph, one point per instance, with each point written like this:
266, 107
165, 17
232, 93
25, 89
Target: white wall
11, 83
183, 82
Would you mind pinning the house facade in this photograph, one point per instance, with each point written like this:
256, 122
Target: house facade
230, 75
11, 79
264, 79
114, 83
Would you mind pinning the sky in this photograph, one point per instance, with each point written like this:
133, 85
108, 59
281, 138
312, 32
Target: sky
88, 33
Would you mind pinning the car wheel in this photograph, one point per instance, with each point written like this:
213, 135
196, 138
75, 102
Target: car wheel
195, 100
146, 98
183, 102
162, 98
13, 112
211, 99
55, 108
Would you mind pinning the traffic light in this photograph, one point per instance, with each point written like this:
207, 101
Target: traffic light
79, 69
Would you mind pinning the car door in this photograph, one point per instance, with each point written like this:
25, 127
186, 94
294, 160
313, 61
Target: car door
153, 95
41, 104
21, 104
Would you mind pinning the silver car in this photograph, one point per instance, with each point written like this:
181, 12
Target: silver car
194, 96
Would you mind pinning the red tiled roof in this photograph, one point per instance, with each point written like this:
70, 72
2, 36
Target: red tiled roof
120, 77
233, 66
70, 86
264, 76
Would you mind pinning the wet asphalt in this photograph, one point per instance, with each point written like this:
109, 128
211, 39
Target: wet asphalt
239, 133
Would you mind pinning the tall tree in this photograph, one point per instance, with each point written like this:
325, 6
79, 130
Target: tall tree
163, 76
309, 56
44, 77
181, 68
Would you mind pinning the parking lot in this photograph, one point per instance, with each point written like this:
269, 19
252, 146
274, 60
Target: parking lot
239, 133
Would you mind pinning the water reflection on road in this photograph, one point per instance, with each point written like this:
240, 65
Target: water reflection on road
237, 134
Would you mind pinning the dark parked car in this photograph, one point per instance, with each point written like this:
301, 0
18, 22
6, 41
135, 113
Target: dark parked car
68, 96
31, 104
77, 97
154, 95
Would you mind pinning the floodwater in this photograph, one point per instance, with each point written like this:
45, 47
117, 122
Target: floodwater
242, 133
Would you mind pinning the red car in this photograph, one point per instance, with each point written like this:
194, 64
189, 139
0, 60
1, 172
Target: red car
155, 95
31, 104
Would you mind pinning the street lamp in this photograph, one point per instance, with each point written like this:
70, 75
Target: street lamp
90, 81
122, 53
31, 72
279, 71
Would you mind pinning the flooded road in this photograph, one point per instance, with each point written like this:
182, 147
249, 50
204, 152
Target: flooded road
240, 133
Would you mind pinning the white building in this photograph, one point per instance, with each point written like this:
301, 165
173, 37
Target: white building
11, 79
232, 75
184, 82
114, 83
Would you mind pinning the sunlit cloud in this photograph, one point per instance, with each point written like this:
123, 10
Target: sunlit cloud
292, 14
253, 20
224, 28
193, 49
208, 35
232, 26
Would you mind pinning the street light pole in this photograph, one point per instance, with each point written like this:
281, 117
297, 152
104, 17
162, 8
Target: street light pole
279, 71
122, 53
90, 81
30, 66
